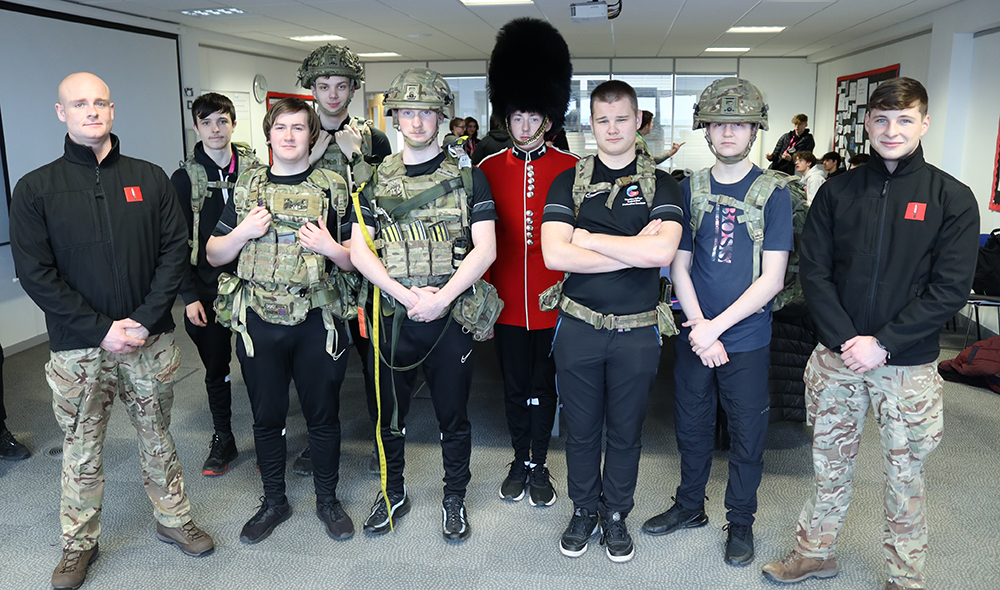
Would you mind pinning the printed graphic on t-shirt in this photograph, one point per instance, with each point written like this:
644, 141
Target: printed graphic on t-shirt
632, 197
725, 225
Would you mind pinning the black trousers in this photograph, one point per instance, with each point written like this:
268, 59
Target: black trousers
529, 381
281, 354
215, 347
604, 378
741, 386
448, 372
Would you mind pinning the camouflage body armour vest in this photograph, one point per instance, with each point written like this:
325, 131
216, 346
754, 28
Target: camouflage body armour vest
201, 186
335, 160
421, 245
752, 215
276, 276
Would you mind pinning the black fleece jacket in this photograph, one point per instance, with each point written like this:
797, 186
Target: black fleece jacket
94, 243
890, 256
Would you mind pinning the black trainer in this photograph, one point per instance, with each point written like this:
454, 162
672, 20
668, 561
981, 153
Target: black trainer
675, 518
576, 537
374, 466
303, 464
513, 487
378, 522
454, 520
10, 449
339, 526
262, 524
222, 452
541, 492
739, 544
616, 540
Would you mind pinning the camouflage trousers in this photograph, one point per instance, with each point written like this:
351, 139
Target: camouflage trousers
906, 402
84, 383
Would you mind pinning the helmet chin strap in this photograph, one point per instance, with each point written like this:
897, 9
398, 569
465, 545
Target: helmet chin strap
533, 138
336, 113
413, 144
733, 159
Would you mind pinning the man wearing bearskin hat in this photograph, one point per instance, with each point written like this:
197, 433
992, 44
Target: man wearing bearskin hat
530, 96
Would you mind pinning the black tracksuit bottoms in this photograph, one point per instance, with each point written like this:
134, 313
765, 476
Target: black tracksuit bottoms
529, 382
448, 372
281, 354
603, 378
215, 347
741, 386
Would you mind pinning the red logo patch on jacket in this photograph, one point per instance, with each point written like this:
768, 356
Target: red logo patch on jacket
915, 211
133, 194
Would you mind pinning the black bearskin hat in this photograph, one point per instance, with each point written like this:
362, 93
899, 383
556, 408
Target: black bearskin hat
530, 70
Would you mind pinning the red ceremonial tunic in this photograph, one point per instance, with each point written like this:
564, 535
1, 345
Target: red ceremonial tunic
520, 183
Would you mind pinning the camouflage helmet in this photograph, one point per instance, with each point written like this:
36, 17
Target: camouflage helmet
419, 88
730, 100
331, 60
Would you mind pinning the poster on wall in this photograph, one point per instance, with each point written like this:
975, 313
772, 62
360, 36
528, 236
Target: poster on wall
995, 199
849, 135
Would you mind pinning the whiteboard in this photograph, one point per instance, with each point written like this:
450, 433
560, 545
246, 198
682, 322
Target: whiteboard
39, 48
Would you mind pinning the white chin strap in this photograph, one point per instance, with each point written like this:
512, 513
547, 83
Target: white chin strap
732, 159
413, 144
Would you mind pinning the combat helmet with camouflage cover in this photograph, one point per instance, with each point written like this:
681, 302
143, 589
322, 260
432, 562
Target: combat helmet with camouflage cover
419, 88
730, 100
331, 60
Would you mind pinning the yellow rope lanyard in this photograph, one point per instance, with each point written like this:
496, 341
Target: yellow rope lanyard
376, 320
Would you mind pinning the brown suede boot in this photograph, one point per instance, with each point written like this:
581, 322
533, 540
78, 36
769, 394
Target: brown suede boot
796, 567
72, 568
188, 537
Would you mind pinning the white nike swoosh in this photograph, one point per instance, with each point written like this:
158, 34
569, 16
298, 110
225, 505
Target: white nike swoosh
466, 356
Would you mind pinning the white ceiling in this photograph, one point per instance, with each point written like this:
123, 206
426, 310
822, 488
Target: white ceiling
449, 30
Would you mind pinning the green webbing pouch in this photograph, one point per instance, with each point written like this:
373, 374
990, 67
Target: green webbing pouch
478, 309
548, 300
223, 304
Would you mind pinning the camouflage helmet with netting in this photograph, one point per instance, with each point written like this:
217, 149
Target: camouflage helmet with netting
730, 100
331, 60
419, 88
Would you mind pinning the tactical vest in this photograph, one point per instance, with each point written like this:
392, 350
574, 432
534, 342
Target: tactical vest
422, 221
281, 280
645, 176
641, 147
335, 160
752, 207
552, 298
201, 186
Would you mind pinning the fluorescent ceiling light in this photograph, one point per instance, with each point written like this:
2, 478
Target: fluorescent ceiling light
379, 54
209, 12
755, 29
727, 49
495, 2
308, 38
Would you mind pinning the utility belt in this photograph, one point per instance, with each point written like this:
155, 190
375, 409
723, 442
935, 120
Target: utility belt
662, 316
282, 308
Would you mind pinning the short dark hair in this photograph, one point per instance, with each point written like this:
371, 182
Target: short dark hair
897, 94
292, 105
614, 90
833, 156
858, 159
212, 102
647, 118
456, 121
807, 156
800, 118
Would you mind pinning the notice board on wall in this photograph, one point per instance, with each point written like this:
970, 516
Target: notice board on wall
849, 135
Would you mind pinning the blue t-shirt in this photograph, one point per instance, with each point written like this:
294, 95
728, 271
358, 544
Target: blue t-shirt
723, 259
